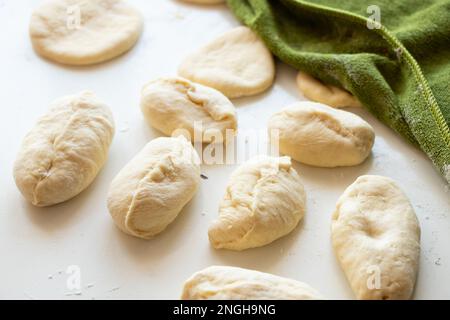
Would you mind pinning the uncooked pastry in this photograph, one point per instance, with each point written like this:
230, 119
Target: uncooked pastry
318, 135
65, 150
231, 283
169, 104
79, 32
237, 64
264, 201
376, 238
152, 189
317, 91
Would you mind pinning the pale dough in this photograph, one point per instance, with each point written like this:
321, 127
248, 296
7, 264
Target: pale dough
65, 150
231, 283
375, 232
79, 32
169, 104
318, 135
264, 201
237, 64
152, 189
317, 91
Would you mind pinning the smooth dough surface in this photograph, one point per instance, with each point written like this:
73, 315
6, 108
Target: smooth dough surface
169, 104
65, 150
317, 91
79, 32
264, 201
318, 135
375, 232
237, 64
152, 189
231, 283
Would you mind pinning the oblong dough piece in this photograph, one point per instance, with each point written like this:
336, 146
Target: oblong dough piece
376, 236
264, 201
237, 64
318, 135
152, 189
317, 91
78, 32
169, 104
65, 150
231, 283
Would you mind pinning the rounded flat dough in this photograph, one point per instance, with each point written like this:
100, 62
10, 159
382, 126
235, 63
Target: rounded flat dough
317, 91
231, 283
171, 104
376, 238
237, 64
79, 32
65, 150
205, 1
264, 201
152, 189
318, 135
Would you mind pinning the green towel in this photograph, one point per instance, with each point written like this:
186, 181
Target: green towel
400, 71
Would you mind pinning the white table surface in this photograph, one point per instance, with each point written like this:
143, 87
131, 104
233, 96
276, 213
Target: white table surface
37, 245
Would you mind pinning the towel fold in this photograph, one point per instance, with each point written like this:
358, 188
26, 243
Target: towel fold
399, 69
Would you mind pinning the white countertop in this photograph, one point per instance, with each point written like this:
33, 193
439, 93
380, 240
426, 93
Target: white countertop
38, 245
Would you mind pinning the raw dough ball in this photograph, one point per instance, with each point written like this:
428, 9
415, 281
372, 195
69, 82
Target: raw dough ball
237, 64
315, 90
375, 232
230, 283
78, 32
264, 201
152, 189
65, 150
205, 1
321, 136
176, 103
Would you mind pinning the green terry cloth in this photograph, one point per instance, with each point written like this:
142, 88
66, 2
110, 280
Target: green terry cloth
400, 71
